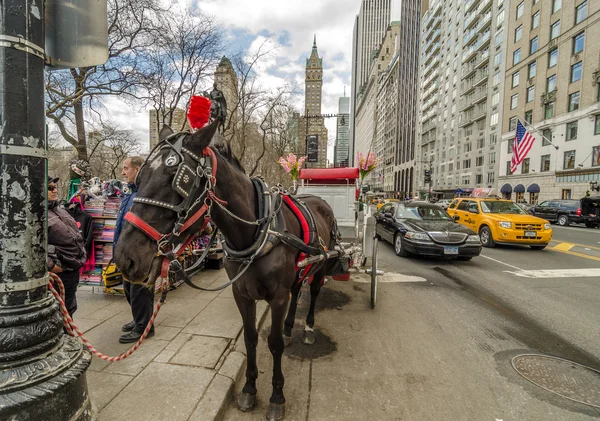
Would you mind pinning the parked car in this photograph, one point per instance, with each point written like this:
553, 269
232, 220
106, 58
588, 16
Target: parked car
444, 203
501, 221
564, 212
425, 229
526, 207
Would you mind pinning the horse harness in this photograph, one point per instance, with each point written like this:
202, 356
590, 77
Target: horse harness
198, 199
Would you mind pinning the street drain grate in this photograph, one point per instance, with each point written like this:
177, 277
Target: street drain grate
565, 378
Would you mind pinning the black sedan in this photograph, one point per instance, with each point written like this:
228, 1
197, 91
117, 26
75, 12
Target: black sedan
425, 229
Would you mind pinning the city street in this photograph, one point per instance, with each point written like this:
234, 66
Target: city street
439, 344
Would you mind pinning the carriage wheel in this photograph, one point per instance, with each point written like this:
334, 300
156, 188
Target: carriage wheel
374, 273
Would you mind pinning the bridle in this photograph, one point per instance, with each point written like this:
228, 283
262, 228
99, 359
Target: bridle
187, 183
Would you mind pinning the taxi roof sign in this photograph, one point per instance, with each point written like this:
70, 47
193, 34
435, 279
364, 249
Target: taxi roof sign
483, 193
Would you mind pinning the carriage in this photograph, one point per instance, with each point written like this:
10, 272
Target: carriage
340, 188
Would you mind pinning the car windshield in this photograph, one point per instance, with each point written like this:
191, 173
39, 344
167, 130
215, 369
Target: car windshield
501, 207
422, 213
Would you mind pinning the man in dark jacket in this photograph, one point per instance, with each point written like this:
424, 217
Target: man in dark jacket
140, 298
66, 251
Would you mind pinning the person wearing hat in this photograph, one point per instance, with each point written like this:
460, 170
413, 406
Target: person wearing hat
66, 250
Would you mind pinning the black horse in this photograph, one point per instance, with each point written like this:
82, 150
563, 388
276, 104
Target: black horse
270, 277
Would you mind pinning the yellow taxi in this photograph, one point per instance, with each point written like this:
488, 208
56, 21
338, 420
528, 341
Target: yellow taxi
501, 221
380, 205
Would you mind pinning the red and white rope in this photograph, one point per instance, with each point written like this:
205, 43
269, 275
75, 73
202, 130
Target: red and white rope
74, 331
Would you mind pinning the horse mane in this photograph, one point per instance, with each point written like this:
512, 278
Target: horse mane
223, 149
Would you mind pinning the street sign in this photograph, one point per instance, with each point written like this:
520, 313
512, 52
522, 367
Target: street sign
76, 33
312, 146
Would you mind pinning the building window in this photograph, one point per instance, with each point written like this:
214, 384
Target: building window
581, 12
549, 110
519, 32
496, 79
571, 131
498, 59
493, 139
515, 79
547, 137
553, 58
514, 101
479, 161
569, 160
512, 124
480, 143
551, 83
510, 146
520, 9
574, 101
596, 156
479, 179
556, 5
531, 70
499, 38
578, 43
597, 125
533, 45
530, 94
508, 172
492, 158
566, 194
500, 18
491, 177
545, 166
529, 116
576, 72
494, 119
525, 166
555, 30
468, 147
517, 56
535, 20
495, 99
466, 164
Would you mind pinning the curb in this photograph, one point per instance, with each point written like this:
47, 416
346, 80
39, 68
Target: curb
220, 391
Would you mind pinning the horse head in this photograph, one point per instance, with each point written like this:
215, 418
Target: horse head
171, 187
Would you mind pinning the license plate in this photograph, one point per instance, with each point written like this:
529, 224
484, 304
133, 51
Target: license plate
530, 234
450, 250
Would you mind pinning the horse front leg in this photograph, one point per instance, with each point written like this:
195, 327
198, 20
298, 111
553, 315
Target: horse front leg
278, 305
309, 331
291, 316
247, 308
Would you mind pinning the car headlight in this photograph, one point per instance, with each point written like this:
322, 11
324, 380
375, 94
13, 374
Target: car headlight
547, 227
505, 224
417, 236
473, 239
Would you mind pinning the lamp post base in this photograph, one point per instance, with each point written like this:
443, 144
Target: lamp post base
48, 385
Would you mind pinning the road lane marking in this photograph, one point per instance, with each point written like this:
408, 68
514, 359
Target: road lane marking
500, 261
560, 247
557, 273
572, 253
388, 277
563, 246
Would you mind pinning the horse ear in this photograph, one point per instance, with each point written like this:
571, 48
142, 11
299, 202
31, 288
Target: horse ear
165, 132
201, 138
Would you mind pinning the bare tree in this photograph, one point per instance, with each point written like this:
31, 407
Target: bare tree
183, 56
133, 26
109, 147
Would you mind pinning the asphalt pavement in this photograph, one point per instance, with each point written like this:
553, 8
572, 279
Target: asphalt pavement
440, 343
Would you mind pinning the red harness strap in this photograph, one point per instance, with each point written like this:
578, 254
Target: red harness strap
138, 222
305, 233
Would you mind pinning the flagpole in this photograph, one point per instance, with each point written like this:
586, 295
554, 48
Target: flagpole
537, 131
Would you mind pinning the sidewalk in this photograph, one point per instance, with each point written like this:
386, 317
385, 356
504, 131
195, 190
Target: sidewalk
186, 372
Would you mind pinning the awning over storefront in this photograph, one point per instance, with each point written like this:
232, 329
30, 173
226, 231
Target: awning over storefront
507, 188
534, 188
519, 188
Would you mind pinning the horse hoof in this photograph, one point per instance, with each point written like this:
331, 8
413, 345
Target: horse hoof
287, 340
309, 337
246, 402
276, 412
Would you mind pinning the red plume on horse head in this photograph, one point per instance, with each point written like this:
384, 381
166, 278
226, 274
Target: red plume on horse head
198, 112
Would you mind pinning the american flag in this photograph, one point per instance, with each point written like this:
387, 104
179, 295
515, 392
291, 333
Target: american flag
521, 146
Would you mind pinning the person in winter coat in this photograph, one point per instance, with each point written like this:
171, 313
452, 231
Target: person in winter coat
140, 298
66, 250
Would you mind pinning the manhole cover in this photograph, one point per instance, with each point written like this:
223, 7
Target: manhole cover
563, 377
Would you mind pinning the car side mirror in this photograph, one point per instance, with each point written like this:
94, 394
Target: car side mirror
456, 218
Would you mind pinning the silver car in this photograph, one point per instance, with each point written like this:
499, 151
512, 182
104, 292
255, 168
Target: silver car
444, 203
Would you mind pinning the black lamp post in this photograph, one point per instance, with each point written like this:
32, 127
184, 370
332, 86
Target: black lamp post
42, 371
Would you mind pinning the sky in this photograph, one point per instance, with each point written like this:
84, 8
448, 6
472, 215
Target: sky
291, 24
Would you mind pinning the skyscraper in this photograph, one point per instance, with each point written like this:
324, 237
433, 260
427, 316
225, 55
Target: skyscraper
370, 27
341, 157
